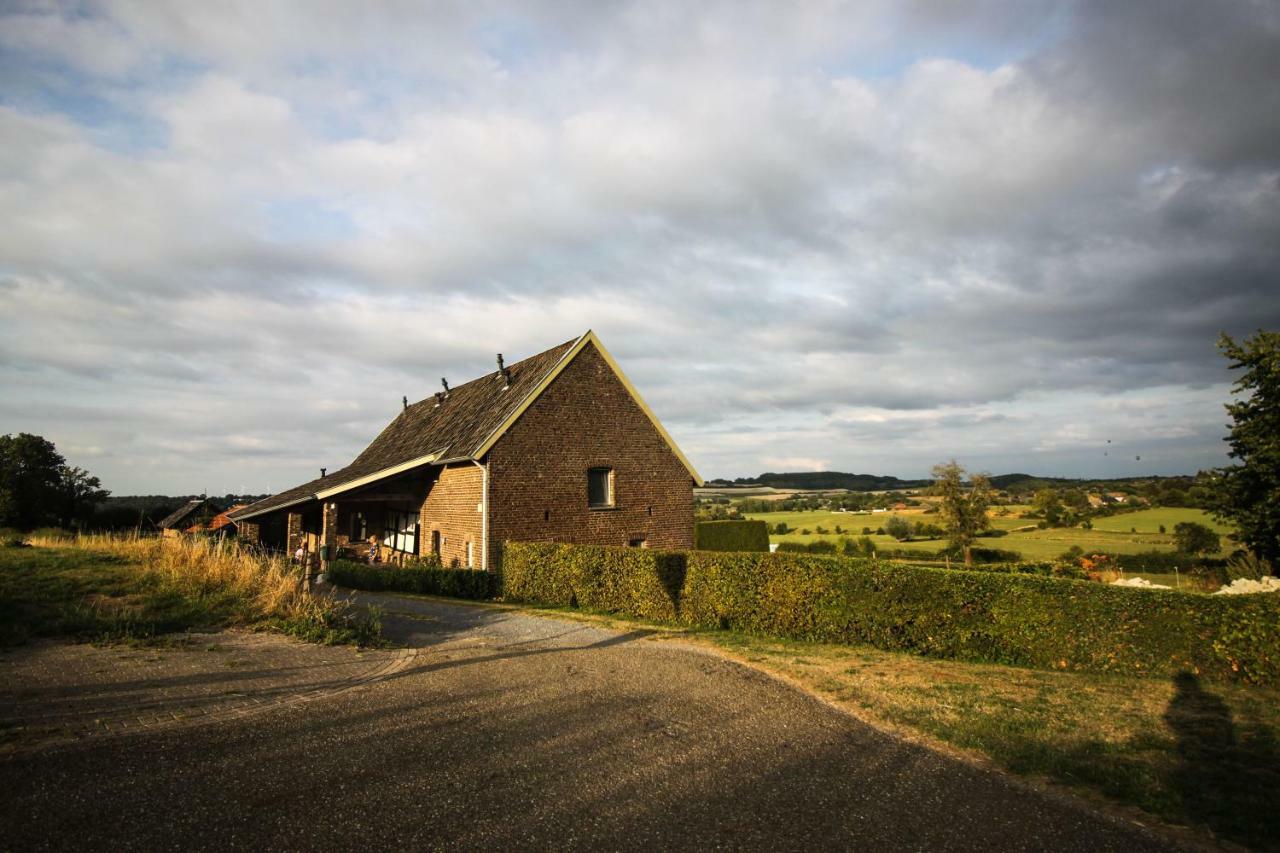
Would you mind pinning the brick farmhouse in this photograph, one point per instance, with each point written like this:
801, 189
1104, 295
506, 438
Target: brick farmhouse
559, 447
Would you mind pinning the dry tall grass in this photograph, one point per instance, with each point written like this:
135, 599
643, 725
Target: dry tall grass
268, 588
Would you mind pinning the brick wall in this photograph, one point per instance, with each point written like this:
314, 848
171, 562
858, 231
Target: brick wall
247, 532
450, 508
587, 419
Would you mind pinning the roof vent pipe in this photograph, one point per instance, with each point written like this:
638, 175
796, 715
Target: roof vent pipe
405, 402
505, 371
439, 397
322, 472
445, 383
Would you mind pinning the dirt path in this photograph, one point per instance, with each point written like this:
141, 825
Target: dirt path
508, 730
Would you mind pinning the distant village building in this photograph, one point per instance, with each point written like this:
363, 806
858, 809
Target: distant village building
557, 447
194, 513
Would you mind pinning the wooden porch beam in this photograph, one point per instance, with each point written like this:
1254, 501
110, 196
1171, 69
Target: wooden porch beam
385, 496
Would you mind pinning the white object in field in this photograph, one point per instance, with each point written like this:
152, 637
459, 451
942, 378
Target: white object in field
773, 546
1245, 586
1142, 583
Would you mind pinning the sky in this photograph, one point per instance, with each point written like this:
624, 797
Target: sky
866, 237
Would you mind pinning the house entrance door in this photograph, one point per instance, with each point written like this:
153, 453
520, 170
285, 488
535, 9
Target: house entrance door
435, 542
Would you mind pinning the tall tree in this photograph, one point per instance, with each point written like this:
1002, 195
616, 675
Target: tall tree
963, 510
38, 488
1249, 493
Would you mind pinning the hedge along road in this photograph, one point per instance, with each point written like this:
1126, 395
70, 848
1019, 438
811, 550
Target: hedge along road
508, 730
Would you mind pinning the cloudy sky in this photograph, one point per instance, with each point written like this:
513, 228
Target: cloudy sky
864, 237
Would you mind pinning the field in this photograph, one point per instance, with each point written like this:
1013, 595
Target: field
108, 589
1111, 535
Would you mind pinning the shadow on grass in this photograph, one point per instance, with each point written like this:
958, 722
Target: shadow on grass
1226, 780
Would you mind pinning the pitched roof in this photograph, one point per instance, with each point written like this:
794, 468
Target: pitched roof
469, 421
175, 517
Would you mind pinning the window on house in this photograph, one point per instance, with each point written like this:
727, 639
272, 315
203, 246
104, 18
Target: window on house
600, 487
401, 532
471, 555
637, 542
359, 527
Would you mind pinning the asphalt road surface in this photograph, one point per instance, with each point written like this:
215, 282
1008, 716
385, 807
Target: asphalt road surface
510, 731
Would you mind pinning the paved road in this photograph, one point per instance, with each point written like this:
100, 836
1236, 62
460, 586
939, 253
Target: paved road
509, 731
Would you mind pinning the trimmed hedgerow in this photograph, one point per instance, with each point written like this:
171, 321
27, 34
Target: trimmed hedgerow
456, 583
731, 535
1021, 619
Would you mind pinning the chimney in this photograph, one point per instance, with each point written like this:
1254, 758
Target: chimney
445, 383
505, 371
439, 397
322, 473
405, 401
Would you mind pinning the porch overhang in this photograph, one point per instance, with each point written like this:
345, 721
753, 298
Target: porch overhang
325, 494
343, 487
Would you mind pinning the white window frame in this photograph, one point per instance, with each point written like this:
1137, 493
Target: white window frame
610, 490
401, 531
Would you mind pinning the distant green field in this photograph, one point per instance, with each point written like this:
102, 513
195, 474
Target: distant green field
1109, 536
1149, 520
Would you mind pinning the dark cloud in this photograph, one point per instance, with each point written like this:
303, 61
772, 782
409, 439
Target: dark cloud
867, 236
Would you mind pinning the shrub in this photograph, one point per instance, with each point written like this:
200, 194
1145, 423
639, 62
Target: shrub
1002, 617
898, 528
741, 535
423, 579
1192, 538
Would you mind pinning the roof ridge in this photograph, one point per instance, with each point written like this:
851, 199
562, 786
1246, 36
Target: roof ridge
493, 373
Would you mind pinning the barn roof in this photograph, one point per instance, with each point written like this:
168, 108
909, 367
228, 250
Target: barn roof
175, 518
464, 426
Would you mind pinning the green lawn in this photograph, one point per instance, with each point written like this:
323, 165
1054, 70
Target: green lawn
1150, 520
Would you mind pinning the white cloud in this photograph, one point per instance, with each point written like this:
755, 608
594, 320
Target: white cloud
863, 237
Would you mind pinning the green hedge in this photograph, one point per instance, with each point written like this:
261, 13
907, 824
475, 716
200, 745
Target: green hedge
733, 535
1020, 619
456, 583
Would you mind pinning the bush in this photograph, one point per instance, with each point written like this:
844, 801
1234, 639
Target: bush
423, 579
898, 528
1012, 618
731, 536
11, 538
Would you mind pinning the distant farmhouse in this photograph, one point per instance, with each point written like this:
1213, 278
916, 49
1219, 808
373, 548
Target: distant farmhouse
198, 516
194, 513
559, 447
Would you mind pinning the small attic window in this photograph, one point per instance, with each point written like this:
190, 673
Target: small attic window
600, 488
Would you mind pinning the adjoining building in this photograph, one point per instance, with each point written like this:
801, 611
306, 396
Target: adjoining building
558, 447
194, 513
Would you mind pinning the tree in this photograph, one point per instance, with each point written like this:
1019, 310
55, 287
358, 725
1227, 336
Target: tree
37, 487
1248, 494
1047, 503
899, 528
1192, 538
963, 511
79, 494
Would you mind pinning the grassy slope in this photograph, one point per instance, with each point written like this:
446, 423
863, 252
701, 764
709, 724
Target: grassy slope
91, 594
1110, 535
48, 592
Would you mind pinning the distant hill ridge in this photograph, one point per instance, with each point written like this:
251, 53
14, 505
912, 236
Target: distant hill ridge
884, 482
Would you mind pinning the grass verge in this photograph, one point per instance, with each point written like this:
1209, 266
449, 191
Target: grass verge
1200, 756
126, 589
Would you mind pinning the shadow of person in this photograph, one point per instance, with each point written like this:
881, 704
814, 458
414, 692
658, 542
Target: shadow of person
1225, 781
1206, 746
